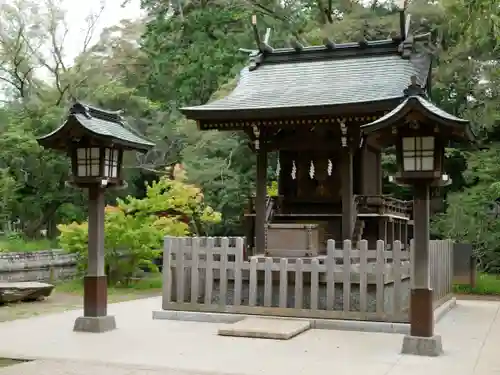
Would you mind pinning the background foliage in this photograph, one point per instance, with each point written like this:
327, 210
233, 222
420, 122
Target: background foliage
135, 228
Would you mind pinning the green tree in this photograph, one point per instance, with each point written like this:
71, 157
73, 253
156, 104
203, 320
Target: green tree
135, 228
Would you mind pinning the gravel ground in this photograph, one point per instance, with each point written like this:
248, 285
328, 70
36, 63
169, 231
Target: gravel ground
59, 302
338, 301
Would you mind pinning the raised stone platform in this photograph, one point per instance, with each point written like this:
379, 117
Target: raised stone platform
24, 291
265, 328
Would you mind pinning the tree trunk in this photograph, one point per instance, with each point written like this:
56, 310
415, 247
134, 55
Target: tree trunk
32, 229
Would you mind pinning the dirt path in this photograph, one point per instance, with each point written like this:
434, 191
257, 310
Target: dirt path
62, 301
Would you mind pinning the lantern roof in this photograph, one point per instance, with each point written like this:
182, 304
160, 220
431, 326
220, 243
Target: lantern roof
416, 101
103, 126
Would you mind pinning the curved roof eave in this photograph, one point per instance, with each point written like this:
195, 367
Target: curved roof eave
136, 143
424, 106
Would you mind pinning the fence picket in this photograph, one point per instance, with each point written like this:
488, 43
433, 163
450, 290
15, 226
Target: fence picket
439, 275
451, 265
223, 271
208, 270
363, 276
379, 272
299, 297
195, 277
330, 276
397, 273
347, 276
268, 281
238, 263
252, 294
167, 270
314, 283
283, 283
179, 268
412, 263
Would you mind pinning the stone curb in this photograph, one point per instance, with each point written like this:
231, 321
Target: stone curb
342, 325
446, 307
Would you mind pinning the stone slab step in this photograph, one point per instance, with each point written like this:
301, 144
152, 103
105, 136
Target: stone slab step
24, 291
265, 328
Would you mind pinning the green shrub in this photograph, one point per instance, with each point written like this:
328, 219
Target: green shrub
135, 228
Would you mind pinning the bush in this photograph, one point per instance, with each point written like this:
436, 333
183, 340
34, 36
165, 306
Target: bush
135, 228
15, 242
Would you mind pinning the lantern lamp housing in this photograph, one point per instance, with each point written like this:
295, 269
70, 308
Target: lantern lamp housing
95, 139
420, 153
95, 163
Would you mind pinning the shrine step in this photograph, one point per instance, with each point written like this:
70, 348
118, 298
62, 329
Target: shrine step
265, 328
24, 291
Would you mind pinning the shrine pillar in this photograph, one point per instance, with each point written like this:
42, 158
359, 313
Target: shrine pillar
260, 201
346, 175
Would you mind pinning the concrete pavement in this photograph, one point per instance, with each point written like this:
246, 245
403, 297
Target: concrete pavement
471, 338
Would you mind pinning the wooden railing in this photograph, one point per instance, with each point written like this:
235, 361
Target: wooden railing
384, 204
361, 204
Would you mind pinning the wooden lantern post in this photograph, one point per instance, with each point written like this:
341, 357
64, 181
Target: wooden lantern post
95, 140
420, 131
420, 156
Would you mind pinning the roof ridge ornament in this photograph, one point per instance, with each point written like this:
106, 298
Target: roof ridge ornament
297, 46
414, 89
90, 111
363, 41
329, 44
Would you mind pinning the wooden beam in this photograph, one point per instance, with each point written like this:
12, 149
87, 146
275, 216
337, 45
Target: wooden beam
346, 173
256, 31
260, 201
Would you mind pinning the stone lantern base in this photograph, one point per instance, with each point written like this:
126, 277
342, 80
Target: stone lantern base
424, 346
95, 324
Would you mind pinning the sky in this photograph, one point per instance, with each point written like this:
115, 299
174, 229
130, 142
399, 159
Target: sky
77, 11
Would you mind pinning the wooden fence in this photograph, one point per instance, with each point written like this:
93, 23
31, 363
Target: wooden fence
211, 275
441, 270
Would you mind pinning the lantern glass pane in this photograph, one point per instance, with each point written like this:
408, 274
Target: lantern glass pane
111, 163
88, 162
427, 163
409, 164
408, 144
427, 143
94, 169
82, 170
418, 153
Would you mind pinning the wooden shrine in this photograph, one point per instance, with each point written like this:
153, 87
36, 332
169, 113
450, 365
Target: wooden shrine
308, 105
